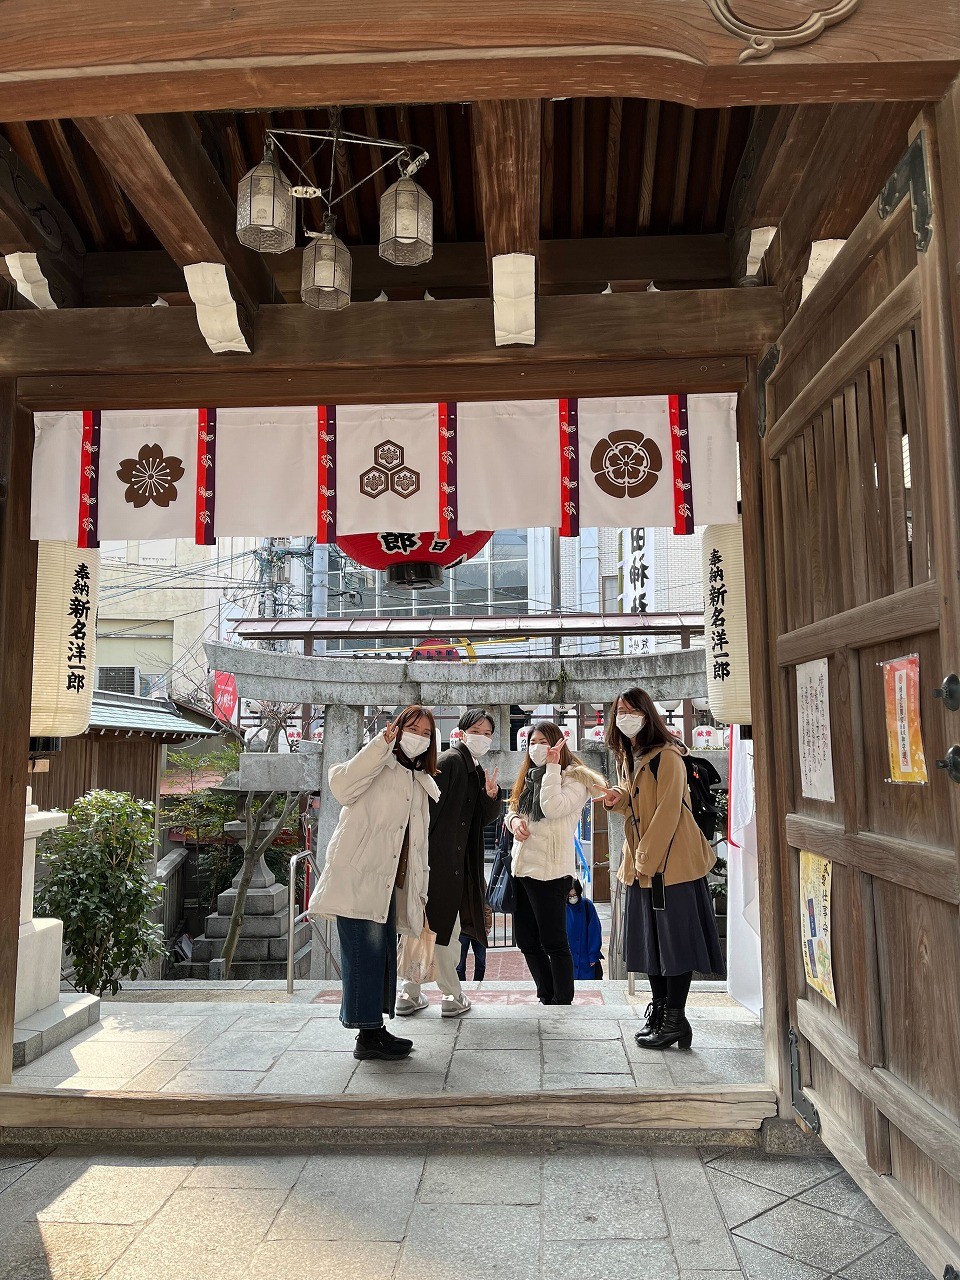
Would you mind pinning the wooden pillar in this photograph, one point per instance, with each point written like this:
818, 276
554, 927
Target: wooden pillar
18, 588
769, 819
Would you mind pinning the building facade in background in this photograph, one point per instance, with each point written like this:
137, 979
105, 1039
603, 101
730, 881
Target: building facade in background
159, 601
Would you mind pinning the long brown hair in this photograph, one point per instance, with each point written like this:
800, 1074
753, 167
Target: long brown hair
655, 733
408, 716
553, 735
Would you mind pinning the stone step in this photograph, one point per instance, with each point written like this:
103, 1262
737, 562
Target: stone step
250, 950
272, 926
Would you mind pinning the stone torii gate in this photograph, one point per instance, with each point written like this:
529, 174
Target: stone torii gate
345, 686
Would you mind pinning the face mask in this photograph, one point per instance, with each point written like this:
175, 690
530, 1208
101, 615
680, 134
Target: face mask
477, 744
630, 725
538, 753
412, 745
573, 899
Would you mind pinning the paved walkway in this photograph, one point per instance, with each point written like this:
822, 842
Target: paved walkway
506, 1043
557, 1213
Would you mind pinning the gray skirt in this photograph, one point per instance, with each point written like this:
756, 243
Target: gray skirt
681, 939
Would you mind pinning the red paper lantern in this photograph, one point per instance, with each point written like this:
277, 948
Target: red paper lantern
413, 559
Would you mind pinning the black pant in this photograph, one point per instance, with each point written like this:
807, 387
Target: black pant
672, 990
479, 958
540, 927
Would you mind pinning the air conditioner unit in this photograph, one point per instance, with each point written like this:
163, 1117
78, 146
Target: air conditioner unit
119, 680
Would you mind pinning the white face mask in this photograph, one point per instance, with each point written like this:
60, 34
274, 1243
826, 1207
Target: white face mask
538, 753
413, 745
630, 725
477, 744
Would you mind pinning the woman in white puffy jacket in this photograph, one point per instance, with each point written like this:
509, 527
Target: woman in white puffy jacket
545, 807
374, 880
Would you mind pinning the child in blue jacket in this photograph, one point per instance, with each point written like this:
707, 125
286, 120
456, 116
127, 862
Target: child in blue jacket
585, 934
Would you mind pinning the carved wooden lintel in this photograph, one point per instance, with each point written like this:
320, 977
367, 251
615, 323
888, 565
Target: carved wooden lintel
762, 41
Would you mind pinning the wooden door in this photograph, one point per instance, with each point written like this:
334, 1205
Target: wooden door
861, 529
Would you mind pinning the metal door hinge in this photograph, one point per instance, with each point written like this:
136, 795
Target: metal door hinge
911, 178
801, 1103
765, 368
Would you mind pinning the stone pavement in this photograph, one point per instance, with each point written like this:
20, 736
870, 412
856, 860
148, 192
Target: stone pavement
255, 1040
549, 1212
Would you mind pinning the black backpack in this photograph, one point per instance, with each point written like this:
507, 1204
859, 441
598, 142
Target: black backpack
702, 777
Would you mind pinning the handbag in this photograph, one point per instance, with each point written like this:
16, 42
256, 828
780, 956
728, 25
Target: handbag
501, 890
417, 958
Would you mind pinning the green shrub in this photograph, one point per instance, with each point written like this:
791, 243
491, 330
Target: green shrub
98, 883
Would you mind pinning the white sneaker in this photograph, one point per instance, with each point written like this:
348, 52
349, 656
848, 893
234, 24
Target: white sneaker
454, 1006
406, 1005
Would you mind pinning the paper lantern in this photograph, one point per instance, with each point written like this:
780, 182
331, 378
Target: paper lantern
64, 640
413, 560
725, 624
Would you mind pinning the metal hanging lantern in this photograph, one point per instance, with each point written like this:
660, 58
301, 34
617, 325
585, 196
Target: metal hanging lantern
406, 224
266, 220
327, 271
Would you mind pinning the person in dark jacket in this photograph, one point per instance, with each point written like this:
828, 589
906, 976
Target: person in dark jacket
469, 799
585, 933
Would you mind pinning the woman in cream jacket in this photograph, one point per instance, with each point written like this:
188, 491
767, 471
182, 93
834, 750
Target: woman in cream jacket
545, 807
374, 880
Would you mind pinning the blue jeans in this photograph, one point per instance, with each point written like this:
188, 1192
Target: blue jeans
368, 963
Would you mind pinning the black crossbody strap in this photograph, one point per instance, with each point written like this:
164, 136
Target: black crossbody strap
654, 767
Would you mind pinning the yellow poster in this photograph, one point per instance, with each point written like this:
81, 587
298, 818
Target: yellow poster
815, 876
901, 693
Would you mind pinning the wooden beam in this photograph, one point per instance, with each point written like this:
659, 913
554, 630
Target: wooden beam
507, 164
898, 309
34, 223
762, 693
779, 148
737, 1106
18, 581
399, 385
132, 278
231, 55
368, 336
857, 151
160, 163
880, 621
915, 867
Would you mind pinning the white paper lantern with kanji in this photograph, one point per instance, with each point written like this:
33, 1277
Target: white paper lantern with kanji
725, 624
64, 640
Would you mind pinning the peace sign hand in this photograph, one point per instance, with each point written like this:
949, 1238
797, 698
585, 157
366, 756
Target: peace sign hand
609, 796
490, 781
391, 731
553, 753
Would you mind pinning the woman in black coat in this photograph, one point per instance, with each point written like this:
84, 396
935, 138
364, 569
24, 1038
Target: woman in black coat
469, 800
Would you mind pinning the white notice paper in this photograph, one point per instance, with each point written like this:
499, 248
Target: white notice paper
813, 731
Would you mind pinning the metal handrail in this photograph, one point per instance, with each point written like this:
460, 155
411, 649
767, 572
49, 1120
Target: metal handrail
293, 919
292, 915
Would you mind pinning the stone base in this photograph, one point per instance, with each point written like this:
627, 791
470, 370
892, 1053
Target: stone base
260, 902
253, 970
38, 966
252, 951
72, 1013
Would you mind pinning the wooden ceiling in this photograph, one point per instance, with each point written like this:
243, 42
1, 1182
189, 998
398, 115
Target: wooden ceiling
608, 167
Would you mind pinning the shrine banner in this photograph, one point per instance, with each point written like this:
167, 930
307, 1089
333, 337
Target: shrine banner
326, 470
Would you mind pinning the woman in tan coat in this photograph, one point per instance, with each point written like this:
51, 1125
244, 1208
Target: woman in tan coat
670, 930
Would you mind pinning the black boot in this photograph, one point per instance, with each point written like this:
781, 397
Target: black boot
675, 1029
654, 1016
381, 1044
